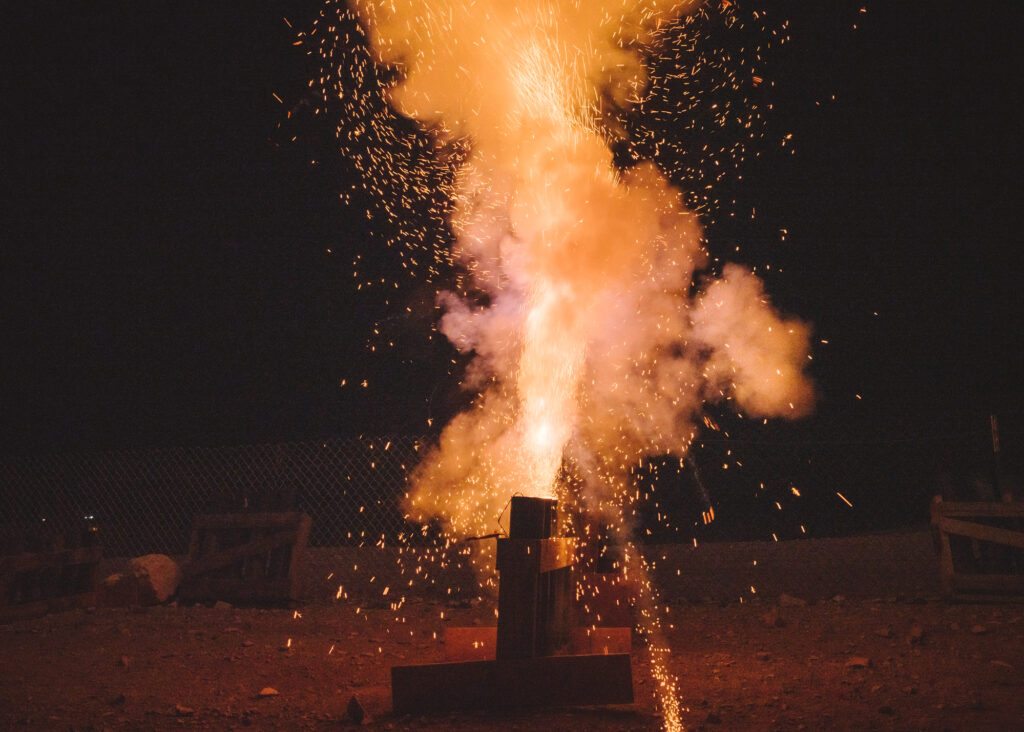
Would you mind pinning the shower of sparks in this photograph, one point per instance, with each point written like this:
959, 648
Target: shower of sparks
549, 165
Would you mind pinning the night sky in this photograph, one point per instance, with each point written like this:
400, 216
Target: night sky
166, 278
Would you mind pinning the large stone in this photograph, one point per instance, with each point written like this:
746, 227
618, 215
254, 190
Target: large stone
148, 580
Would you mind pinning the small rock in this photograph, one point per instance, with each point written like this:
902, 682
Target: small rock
885, 632
183, 711
916, 635
979, 629
221, 605
886, 709
858, 662
247, 643
838, 599
954, 626
713, 718
268, 691
1001, 664
354, 711
790, 601
763, 656
124, 662
119, 699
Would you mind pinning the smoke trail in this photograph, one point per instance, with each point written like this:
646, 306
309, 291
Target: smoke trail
596, 337
586, 339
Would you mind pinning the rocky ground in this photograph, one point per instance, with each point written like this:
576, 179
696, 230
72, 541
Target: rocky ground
867, 645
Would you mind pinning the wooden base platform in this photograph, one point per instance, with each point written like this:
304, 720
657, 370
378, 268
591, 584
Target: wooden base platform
514, 683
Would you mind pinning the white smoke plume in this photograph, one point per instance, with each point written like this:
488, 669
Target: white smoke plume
596, 336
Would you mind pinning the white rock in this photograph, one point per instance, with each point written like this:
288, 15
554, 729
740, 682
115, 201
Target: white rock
148, 580
158, 576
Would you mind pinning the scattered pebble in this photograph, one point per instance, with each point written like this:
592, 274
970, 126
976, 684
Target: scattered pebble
268, 691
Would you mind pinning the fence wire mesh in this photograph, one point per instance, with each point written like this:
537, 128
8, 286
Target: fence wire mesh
143, 501
789, 481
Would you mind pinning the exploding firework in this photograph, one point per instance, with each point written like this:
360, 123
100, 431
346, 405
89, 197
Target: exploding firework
596, 330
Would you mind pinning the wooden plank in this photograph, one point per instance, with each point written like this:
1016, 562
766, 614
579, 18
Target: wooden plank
555, 611
513, 684
531, 517
229, 556
297, 555
517, 613
288, 519
982, 532
246, 557
979, 509
46, 560
536, 555
946, 569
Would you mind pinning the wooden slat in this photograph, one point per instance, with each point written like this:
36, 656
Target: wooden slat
234, 554
517, 613
981, 532
298, 555
536, 555
513, 684
44, 560
265, 568
979, 509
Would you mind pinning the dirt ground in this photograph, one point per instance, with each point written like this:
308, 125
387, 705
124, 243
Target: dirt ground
888, 653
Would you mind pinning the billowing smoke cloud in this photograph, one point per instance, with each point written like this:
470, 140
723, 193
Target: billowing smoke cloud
591, 340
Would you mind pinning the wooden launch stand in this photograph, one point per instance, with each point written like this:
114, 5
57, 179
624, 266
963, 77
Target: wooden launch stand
535, 599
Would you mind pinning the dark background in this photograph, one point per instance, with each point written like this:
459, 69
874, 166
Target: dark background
166, 278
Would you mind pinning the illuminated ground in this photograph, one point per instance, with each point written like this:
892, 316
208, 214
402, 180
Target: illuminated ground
929, 665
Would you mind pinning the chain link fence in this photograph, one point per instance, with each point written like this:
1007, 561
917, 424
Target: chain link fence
142, 501
782, 482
